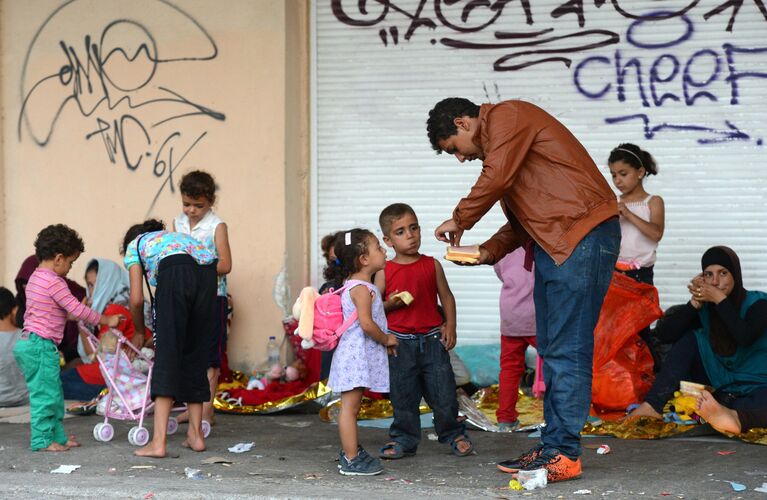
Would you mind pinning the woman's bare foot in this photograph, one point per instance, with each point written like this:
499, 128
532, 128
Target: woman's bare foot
207, 415
645, 410
152, 450
195, 443
720, 417
182, 417
55, 447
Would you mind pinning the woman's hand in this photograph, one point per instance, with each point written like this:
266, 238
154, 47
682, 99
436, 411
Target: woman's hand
703, 292
449, 232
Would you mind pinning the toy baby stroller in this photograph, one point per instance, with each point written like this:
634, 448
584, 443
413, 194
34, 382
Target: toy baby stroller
128, 397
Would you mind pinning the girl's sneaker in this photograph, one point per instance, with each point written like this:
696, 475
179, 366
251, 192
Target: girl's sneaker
508, 426
360, 465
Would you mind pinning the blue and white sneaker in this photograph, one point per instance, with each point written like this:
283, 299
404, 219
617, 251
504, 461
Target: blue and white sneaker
364, 455
361, 465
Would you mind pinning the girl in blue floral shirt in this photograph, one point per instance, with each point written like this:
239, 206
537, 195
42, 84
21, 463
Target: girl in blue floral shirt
183, 271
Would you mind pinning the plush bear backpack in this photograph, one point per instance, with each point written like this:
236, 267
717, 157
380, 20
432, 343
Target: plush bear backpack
321, 318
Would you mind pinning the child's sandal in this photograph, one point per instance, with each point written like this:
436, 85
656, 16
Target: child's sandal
461, 439
399, 451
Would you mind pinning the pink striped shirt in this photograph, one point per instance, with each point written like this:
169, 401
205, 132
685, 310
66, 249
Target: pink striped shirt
48, 302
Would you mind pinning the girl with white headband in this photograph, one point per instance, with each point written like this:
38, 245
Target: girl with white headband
642, 215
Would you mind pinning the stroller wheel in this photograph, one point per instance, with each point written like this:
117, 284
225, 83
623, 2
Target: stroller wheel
172, 425
205, 428
103, 431
138, 436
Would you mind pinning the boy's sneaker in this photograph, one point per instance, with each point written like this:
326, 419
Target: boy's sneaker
559, 467
522, 461
359, 465
508, 426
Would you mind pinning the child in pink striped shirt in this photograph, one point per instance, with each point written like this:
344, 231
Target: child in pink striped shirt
48, 303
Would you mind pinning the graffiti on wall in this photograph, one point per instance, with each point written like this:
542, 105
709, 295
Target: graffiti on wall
656, 65
119, 75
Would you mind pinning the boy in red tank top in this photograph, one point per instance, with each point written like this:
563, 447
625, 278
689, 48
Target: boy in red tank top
421, 367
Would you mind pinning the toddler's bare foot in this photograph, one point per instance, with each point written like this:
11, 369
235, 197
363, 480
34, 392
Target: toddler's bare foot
645, 410
195, 443
720, 417
55, 447
152, 450
71, 443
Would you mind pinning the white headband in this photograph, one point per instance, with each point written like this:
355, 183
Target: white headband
632, 154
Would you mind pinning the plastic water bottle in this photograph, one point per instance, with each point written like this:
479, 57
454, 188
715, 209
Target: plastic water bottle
273, 352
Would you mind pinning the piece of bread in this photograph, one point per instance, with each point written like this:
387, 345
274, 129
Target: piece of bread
468, 254
690, 388
405, 297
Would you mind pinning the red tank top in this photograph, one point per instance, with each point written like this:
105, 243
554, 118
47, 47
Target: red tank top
420, 279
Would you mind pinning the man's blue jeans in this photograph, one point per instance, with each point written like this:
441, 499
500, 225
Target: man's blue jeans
568, 299
422, 368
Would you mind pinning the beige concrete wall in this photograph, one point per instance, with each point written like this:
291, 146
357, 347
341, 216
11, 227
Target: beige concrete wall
98, 136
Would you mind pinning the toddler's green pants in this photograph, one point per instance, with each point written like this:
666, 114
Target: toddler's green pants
38, 360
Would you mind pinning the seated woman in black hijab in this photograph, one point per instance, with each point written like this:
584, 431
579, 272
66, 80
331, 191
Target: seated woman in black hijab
721, 341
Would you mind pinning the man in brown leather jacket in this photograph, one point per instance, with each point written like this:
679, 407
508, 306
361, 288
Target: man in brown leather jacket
560, 207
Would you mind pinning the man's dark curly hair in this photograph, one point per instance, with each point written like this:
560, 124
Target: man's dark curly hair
57, 239
198, 183
136, 230
440, 124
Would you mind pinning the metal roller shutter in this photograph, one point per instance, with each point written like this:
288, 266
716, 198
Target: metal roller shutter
683, 86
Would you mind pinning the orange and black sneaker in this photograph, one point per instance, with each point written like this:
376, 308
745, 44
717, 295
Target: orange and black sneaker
559, 467
513, 465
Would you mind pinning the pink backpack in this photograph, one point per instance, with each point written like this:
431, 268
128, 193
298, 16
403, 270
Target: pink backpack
329, 322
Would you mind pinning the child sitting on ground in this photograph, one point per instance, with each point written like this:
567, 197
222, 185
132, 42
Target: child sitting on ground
48, 303
517, 332
13, 390
421, 367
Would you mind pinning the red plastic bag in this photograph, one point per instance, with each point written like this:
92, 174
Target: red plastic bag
623, 364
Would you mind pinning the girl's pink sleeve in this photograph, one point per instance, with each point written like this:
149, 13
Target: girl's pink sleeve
64, 298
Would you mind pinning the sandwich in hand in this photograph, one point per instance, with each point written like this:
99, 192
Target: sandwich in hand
467, 254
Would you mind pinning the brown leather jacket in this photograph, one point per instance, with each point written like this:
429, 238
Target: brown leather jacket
548, 185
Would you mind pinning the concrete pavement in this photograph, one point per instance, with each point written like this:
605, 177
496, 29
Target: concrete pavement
295, 456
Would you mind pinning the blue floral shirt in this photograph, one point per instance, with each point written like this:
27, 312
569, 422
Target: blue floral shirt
157, 245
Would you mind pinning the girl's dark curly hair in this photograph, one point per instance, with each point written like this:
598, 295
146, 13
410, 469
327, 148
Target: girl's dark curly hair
57, 239
348, 256
198, 183
136, 230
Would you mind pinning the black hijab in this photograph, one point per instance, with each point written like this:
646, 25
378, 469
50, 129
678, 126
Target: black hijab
721, 341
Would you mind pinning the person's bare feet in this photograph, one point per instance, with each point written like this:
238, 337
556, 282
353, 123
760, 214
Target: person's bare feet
645, 410
720, 417
71, 443
207, 415
55, 447
152, 450
194, 442
182, 417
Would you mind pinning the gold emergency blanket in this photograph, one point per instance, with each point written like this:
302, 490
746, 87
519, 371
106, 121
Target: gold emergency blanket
314, 393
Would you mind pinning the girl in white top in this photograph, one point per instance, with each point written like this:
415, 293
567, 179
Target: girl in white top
198, 194
642, 215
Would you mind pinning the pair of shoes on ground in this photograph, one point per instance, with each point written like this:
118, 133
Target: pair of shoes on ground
397, 450
361, 465
559, 467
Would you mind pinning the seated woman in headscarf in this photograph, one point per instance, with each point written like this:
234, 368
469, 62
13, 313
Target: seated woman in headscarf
722, 343
107, 292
